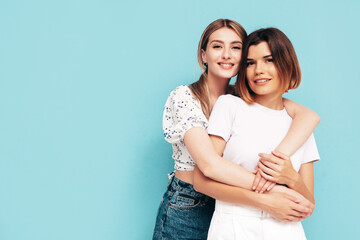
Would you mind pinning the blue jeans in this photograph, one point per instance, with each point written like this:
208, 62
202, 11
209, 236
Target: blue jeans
183, 213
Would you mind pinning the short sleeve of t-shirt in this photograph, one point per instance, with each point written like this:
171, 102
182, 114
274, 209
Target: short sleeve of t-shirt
310, 150
181, 112
222, 116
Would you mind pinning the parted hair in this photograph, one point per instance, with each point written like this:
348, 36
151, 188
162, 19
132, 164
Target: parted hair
199, 88
284, 58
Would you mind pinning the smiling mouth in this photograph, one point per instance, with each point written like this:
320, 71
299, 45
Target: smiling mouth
262, 80
226, 65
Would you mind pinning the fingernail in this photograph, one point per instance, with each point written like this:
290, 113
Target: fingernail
253, 188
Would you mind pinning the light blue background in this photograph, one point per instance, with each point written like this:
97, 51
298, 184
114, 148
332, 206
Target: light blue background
82, 89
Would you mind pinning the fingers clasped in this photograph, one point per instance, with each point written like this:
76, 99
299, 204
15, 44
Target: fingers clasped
276, 167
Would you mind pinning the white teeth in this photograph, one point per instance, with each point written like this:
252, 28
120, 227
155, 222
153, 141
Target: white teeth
226, 65
261, 81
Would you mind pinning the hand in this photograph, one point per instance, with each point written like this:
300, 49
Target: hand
285, 208
277, 167
287, 205
260, 184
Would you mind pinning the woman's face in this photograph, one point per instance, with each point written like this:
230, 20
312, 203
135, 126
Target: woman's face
261, 73
223, 53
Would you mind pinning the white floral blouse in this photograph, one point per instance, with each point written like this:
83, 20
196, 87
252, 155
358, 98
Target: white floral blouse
182, 111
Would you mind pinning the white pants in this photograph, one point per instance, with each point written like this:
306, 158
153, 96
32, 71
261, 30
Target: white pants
231, 222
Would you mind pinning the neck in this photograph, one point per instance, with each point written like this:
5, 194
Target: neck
271, 102
217, 87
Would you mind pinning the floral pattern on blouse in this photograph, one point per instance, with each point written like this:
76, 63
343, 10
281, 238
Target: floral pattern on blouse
182, 111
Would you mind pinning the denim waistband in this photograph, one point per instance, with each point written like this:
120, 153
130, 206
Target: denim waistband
181, 186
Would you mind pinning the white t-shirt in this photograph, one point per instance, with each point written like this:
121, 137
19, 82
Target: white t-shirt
182, 111
250, 129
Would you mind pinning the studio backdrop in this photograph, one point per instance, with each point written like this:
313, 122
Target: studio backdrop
82, 90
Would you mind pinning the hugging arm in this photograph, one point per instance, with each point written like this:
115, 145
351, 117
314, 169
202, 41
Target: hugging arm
278, 168
211, 164
208, 159
304, 122
282, 203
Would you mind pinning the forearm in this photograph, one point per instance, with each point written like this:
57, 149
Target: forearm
279, 204
299, 186
228, 172
211, 164
304, 123
277, 167
227, 193
303, 183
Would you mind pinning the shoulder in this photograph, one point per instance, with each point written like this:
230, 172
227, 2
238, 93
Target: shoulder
181, 99
181, 91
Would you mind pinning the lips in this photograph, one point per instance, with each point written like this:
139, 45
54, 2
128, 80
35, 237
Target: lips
263, 80
226, 65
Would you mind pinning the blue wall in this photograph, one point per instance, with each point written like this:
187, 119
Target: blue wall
82, 87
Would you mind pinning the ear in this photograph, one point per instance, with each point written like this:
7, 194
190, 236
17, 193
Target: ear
203, 56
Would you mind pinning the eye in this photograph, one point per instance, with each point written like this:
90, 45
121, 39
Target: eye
269, 60
249, 63
216, 46
237, 47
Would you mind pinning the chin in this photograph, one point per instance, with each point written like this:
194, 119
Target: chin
228, 76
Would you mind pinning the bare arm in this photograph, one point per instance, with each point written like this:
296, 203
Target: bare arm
211, 163
304, 123
283, 204
213, 166
278, 168
237, 175
305, 186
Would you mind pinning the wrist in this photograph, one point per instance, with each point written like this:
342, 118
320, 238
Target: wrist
294, 180
263, 202
278, 189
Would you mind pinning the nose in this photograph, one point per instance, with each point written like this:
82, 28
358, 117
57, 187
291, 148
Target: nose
259, 68
226, 53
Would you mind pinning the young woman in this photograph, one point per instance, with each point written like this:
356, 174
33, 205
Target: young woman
185, 213
241, 128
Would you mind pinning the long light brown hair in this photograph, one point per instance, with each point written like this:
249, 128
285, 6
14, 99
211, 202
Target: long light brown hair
283, 55
199, 88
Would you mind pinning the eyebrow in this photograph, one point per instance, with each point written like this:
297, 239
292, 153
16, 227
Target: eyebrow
267, 56
223, 41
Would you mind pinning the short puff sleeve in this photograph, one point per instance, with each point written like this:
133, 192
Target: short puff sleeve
182, 111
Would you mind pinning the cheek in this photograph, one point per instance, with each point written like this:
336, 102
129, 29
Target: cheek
239, 57
212, 56
248, 73
273, 70
250, 84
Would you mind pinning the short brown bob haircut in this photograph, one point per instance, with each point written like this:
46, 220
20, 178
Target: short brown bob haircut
284, 58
